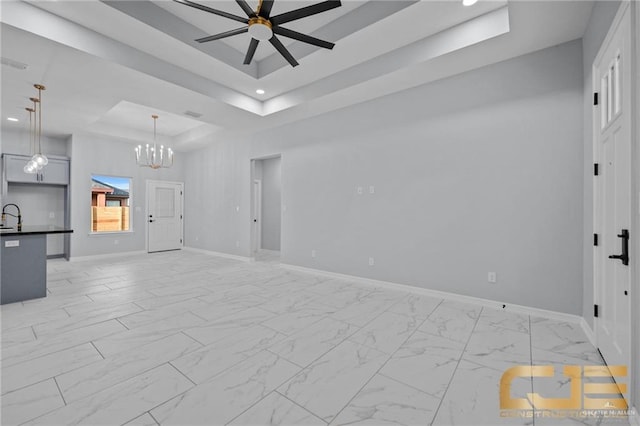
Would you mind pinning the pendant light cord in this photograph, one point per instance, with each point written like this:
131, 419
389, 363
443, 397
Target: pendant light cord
40, 121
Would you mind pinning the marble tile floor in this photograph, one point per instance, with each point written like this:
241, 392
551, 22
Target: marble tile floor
183, 338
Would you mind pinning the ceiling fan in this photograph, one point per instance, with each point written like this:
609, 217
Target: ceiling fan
262, 26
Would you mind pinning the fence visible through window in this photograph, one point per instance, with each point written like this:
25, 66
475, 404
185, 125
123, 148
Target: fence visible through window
110, 202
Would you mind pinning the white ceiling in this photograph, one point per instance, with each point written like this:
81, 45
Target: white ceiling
109, 65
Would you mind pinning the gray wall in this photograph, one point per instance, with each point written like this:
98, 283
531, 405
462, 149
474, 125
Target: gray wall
271, 203
476, 173
601, 18
110, 156
17, 142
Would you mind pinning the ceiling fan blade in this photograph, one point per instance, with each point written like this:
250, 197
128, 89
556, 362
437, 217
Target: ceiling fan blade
251, 51
247, 9
265, 9
283, 50
223, 35
303, 12
214, 11
303, 37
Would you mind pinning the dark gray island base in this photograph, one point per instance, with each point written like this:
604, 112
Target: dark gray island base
23, 262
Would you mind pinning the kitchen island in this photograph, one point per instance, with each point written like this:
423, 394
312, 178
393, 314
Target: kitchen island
23, 262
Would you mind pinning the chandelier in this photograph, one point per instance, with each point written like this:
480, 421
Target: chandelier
38, 159
151, 156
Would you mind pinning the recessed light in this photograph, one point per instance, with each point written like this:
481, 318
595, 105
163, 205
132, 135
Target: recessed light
12, 119
260, 92
469, 2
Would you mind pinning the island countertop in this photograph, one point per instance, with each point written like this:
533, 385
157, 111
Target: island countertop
34, 230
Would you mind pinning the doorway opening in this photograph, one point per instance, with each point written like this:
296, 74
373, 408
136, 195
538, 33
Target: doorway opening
266, 209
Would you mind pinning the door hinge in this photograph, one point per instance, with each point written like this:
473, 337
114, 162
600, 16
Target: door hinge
595, 311
180, 192
595, 169
595, 239
595, 98
180, 216
180, 240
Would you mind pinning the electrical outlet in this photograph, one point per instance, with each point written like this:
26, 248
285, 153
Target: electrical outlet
371, 261
492, 277
359, 190
313, 253
52, 215
372, 189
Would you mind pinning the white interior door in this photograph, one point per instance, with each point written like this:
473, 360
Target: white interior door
612, 146
164, 215
257, 215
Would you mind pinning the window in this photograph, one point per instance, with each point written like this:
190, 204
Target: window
110, 201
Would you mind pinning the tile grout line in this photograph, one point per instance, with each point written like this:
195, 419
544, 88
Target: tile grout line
274, 388
435, 415
293, 402
96, 348
389, 357
59, 390
403, 383
531, 363
118, 319
181, 373
154, 419
46, 354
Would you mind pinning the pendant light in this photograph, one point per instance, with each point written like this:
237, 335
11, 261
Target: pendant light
40, 159
32, 167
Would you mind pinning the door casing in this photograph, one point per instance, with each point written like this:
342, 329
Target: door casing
624, 12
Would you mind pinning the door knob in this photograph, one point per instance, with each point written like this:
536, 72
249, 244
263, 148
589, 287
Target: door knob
624, 257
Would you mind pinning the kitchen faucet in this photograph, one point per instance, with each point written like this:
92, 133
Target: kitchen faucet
19, 216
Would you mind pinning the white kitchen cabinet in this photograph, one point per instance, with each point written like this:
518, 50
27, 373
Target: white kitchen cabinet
54, 173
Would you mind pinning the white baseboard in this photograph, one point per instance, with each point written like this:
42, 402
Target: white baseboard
591, 335
106, 256
219, 254
510, 307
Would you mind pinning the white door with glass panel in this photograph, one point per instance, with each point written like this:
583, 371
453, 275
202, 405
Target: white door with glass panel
612, 186
164, 215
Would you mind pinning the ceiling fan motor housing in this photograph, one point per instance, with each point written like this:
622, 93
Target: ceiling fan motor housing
260, 28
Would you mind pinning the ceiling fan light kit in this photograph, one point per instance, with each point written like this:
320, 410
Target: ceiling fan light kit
262, 26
